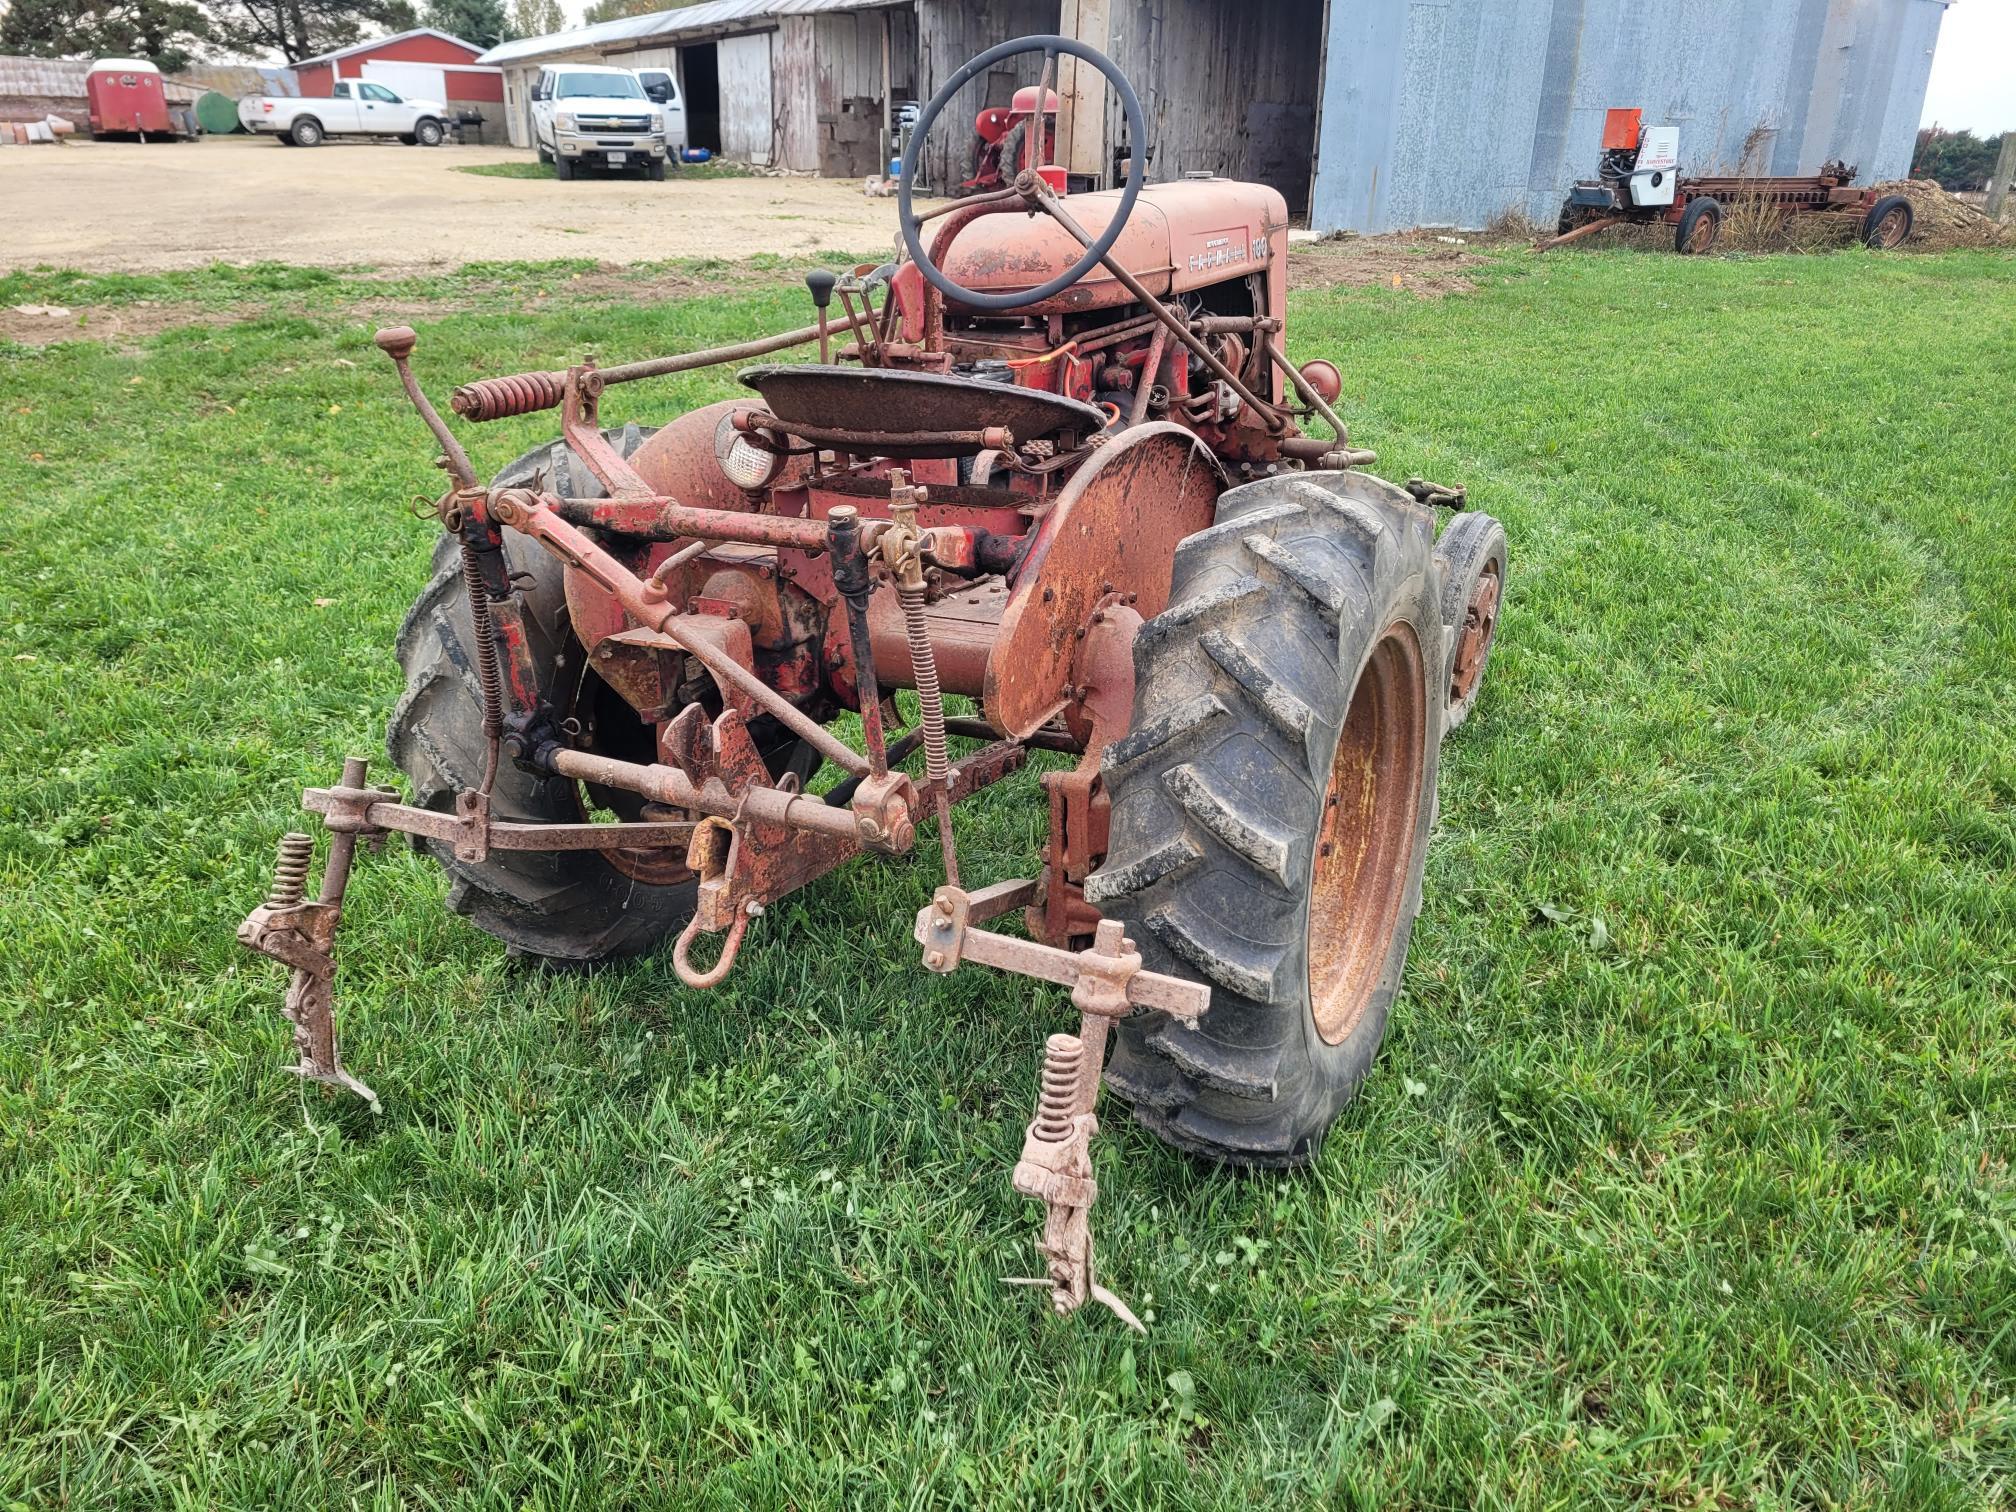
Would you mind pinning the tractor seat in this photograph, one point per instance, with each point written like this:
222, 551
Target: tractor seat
896, 413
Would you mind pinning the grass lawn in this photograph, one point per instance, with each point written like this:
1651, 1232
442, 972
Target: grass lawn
1684, 1179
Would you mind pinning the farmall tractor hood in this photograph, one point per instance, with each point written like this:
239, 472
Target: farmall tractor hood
1181, 236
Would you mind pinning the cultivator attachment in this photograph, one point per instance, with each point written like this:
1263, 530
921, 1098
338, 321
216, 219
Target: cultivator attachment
1107, 983
302, 936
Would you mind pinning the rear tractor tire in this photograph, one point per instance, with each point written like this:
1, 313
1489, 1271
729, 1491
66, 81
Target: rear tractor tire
1472, 555
562, 905
1271, 807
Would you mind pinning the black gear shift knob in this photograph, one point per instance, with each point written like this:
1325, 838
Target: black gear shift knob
820, 282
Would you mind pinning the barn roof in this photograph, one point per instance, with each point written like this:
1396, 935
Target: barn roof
63, 78
371, 44
709, 16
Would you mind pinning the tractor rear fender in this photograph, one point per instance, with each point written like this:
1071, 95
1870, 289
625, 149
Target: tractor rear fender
1114, 529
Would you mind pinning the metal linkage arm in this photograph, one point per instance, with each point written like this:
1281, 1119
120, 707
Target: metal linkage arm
532, 515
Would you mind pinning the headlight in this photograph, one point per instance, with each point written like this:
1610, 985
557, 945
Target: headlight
743, 462
563, 121
657, 121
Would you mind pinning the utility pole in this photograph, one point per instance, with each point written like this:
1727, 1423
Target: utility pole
1998, 181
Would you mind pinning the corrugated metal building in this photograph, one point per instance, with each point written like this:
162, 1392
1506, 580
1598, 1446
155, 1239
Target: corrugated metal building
1450, 112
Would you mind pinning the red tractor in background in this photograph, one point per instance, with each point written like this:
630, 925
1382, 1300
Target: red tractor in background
1006, 141
1056, 465
1638, 182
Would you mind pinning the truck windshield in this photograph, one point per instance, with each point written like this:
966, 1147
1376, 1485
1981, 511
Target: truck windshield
598, 86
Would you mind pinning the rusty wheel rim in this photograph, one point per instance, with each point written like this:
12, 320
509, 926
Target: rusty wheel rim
1702, 237
1366, 835
1890, 229
1473, 645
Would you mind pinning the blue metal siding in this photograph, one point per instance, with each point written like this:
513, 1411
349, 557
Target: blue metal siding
1450, 112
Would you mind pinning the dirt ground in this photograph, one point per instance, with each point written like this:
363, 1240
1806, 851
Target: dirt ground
125, 206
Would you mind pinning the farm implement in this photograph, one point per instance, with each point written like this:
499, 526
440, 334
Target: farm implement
1055, 465
1638, 182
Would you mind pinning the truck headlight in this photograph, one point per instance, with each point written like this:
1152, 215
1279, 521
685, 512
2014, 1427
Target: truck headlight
563, 121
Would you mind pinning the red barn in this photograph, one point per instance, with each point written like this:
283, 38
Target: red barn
423, 64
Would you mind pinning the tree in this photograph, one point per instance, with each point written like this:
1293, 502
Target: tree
610, 10
298, 29
1958, 160
168, 33
536, 18
481, 22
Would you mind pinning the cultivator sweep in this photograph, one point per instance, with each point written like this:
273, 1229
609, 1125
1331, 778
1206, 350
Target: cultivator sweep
1058, 470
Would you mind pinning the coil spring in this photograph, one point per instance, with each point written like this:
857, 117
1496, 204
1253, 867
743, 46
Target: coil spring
488, 677
497, 398
924, 668
290, 870
1063, 1055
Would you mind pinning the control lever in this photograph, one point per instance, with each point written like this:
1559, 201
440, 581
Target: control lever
821, 282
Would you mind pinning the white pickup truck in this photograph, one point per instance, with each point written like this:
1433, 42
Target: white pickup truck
585, 114
356, 107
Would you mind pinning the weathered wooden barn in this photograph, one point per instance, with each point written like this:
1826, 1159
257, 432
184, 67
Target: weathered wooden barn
798, 84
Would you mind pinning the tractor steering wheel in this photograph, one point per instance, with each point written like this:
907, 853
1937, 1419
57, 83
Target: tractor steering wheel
1137, 134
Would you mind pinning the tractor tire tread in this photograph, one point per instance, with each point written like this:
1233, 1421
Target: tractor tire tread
565, 905
1242, 685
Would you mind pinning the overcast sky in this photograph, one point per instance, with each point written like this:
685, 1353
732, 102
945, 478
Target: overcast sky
1974, 70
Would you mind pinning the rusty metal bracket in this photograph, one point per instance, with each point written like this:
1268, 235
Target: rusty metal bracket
302, 935
1107, 982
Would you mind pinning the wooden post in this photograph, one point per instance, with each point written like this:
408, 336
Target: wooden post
1082, 95
1999, 180
888, 94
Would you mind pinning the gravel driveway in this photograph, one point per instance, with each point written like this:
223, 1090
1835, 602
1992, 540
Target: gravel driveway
138, 207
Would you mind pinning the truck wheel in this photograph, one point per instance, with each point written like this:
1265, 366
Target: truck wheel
1271, 808
563, 168
1472, 556
427, 132
1700, 227
1888, 223
306, 132
565, 905
656, 169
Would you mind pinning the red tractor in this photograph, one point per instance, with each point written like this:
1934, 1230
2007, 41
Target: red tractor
1005, 141
1054, 465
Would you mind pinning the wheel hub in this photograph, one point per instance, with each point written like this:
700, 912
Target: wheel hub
1366, 833
1480, 623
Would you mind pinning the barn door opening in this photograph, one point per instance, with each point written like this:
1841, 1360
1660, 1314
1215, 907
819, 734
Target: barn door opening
1226, 89
700, 69
1280, 117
